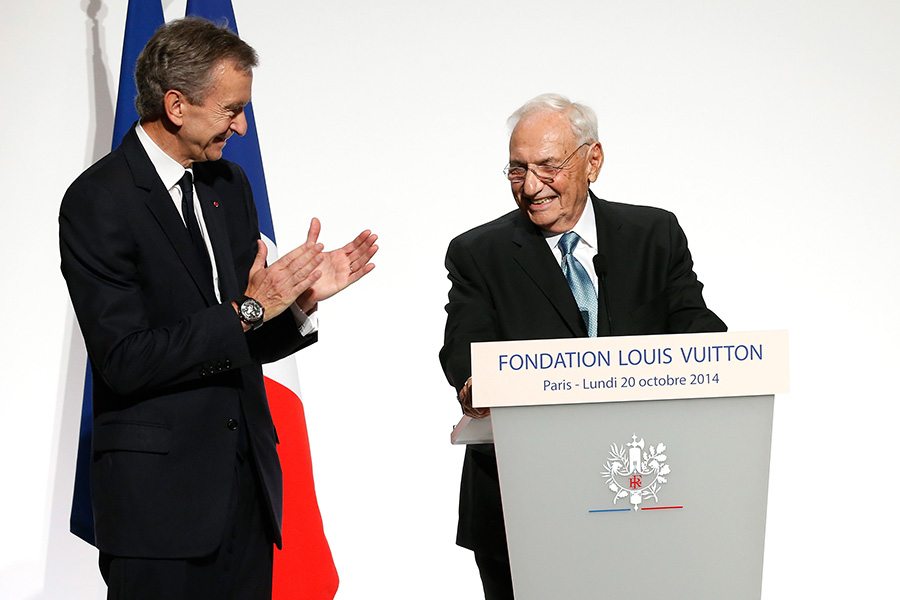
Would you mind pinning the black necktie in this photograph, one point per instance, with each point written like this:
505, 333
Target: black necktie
190, 220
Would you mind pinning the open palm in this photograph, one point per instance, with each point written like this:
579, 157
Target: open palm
346, 265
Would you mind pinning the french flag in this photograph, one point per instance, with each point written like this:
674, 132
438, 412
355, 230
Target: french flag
304, 568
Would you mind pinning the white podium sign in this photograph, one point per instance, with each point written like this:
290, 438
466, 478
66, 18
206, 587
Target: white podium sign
617, 369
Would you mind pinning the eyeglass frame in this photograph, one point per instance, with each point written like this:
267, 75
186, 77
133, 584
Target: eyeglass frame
557, 169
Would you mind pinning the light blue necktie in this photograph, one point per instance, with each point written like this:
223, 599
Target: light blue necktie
580, 282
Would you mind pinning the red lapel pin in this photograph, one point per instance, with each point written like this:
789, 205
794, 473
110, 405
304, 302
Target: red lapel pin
216, 203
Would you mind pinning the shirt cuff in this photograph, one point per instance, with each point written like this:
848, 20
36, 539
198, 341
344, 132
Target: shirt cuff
306, 324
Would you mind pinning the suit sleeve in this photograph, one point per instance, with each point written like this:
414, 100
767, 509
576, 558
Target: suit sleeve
278, 338
687, 311
471, 314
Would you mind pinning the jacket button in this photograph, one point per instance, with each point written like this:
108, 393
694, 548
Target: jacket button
231, 424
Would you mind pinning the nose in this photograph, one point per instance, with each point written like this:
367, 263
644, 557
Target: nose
532, 184
239, 124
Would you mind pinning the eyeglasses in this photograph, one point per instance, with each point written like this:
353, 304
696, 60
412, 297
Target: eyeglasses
546, 173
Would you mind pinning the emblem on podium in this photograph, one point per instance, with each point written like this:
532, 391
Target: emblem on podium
635, 473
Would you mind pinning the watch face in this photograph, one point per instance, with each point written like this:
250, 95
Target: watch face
251, 310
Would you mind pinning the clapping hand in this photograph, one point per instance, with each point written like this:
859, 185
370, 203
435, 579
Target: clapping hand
339, 268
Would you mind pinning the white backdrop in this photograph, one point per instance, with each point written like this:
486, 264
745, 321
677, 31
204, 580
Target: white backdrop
771, 128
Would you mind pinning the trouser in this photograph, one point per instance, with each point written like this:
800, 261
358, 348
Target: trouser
495, 576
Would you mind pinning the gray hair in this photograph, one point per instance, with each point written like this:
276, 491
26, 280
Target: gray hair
582, 118
182, 55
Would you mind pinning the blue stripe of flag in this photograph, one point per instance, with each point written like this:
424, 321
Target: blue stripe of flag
242, 150
143, 19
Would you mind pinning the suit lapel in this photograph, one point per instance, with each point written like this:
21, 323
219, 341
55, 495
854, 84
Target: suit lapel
160, 204
607, 229
218, 236
607, 233
533, 255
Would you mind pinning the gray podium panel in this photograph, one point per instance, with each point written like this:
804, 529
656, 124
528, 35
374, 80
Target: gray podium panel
704, 540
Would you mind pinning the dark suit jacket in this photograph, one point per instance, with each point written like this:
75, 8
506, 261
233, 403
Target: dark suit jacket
507, 285
175, 378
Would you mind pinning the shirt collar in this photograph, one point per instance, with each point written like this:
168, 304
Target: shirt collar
169, 170
586, 228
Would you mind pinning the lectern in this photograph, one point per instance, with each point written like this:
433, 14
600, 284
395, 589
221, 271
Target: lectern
632, 467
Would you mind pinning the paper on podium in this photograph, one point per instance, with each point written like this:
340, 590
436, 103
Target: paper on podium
473, 431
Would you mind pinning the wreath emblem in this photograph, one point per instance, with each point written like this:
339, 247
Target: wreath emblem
636, 474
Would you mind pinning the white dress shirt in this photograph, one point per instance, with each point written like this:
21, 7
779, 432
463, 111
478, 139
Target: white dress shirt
171, 172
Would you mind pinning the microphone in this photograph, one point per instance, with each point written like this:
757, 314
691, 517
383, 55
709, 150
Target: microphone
601, 266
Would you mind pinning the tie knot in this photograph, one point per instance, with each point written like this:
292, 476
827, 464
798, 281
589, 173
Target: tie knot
568, 242
185, 183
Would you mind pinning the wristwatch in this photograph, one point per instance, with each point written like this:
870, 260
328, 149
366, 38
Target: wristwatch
251, 312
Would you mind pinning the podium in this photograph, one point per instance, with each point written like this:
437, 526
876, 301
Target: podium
632, 467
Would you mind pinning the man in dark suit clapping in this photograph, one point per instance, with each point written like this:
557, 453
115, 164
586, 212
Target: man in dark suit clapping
161, 252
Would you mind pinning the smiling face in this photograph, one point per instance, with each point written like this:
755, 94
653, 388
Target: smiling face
546, 138
204, 128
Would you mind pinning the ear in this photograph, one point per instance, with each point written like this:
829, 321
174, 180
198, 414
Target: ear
595, 161
174, 104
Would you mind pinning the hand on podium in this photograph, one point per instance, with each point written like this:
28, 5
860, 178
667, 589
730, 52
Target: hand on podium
465, 400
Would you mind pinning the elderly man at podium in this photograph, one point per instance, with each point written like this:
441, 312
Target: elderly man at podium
564, 264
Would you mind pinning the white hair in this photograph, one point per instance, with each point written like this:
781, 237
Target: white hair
582, 118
